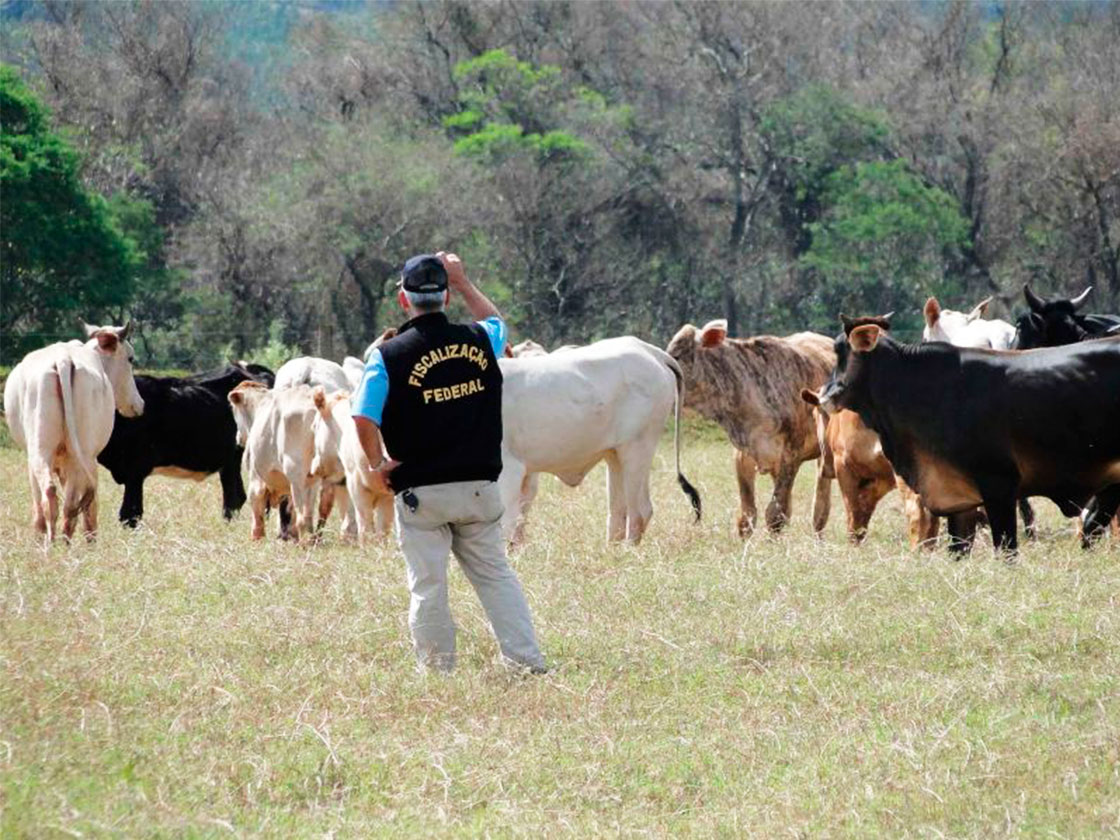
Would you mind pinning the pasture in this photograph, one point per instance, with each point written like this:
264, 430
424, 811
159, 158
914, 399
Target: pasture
181, 681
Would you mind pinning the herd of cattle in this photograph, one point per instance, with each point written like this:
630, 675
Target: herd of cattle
965, 424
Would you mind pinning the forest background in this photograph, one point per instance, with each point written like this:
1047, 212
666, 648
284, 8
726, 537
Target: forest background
248, 177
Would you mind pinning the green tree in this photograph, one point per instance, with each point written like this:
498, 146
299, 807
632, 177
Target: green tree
61, 253
885, 241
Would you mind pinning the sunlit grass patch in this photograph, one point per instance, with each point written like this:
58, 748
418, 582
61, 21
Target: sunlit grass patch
182, 680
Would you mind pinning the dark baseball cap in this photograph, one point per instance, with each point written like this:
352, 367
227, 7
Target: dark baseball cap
424, 273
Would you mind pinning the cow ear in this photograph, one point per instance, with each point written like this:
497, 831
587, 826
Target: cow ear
1080, 299
810, 396
932, 311
1033, 300
236, 397
319, 397
864, 338
713, 333
107, 341
508, 351
979, 310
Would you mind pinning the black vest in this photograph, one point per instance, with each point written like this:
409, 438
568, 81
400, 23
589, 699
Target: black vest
443, 417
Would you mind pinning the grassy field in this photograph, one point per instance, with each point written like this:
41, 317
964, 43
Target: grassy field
179, 681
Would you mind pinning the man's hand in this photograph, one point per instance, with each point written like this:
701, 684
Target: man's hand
476, 302
456, 274
381, 474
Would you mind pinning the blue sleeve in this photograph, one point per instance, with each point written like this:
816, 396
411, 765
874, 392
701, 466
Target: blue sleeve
369, 400
496, 328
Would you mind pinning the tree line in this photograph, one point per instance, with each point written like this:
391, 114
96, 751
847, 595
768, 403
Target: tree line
235, 175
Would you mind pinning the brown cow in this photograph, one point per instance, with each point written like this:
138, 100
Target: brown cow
854, 456
752, 388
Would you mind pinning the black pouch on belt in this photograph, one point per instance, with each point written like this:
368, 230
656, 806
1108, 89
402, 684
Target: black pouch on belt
410, 500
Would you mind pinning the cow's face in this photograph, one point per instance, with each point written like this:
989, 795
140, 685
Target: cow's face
113, 349
949, 325
843, 388
525, 349
689, 347
244, 400
1051, 323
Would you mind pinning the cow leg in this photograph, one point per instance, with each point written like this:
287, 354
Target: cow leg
77, 494
303, 501
921, 524
530, 484
346, 505
616, 499
822, 501
636, 460
962, 532
745, 470
1101, 510
326, 504
1027, 512
849, 492
233, 490
284, 514
385, 515
44, 498
361, 507
778, 511
132, 505
89, 517
999, 504
258, 501
510, 487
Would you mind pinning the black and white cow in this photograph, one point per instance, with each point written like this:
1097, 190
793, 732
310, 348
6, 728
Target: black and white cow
186, 431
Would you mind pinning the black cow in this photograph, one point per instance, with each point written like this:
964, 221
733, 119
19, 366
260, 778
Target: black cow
966, 427
186, 431
1051, 323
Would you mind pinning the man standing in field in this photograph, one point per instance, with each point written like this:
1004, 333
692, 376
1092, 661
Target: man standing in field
435, 392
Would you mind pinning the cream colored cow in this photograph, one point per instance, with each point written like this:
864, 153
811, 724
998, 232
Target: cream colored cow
274, 426
340, 461
59, 402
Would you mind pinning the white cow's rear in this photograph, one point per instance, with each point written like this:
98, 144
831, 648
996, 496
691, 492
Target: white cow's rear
564, 412
59, 402
274, 426
340, 460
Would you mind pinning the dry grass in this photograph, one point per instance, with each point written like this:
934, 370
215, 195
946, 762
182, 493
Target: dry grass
181, 681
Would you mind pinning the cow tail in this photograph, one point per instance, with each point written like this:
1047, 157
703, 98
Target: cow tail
688, 489
65, 370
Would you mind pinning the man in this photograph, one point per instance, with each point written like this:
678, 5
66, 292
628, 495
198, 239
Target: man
435, 393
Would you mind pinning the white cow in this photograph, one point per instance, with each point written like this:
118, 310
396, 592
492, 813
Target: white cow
274, 427
355, 369
971, 330
564, 412
340, 461
59, 402
310, 370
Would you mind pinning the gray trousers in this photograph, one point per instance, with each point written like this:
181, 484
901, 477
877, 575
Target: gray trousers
465, 518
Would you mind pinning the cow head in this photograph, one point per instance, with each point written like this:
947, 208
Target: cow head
839, 392
1051, 323
244, 400
525, 349
694, 350
116, 356
951, 326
